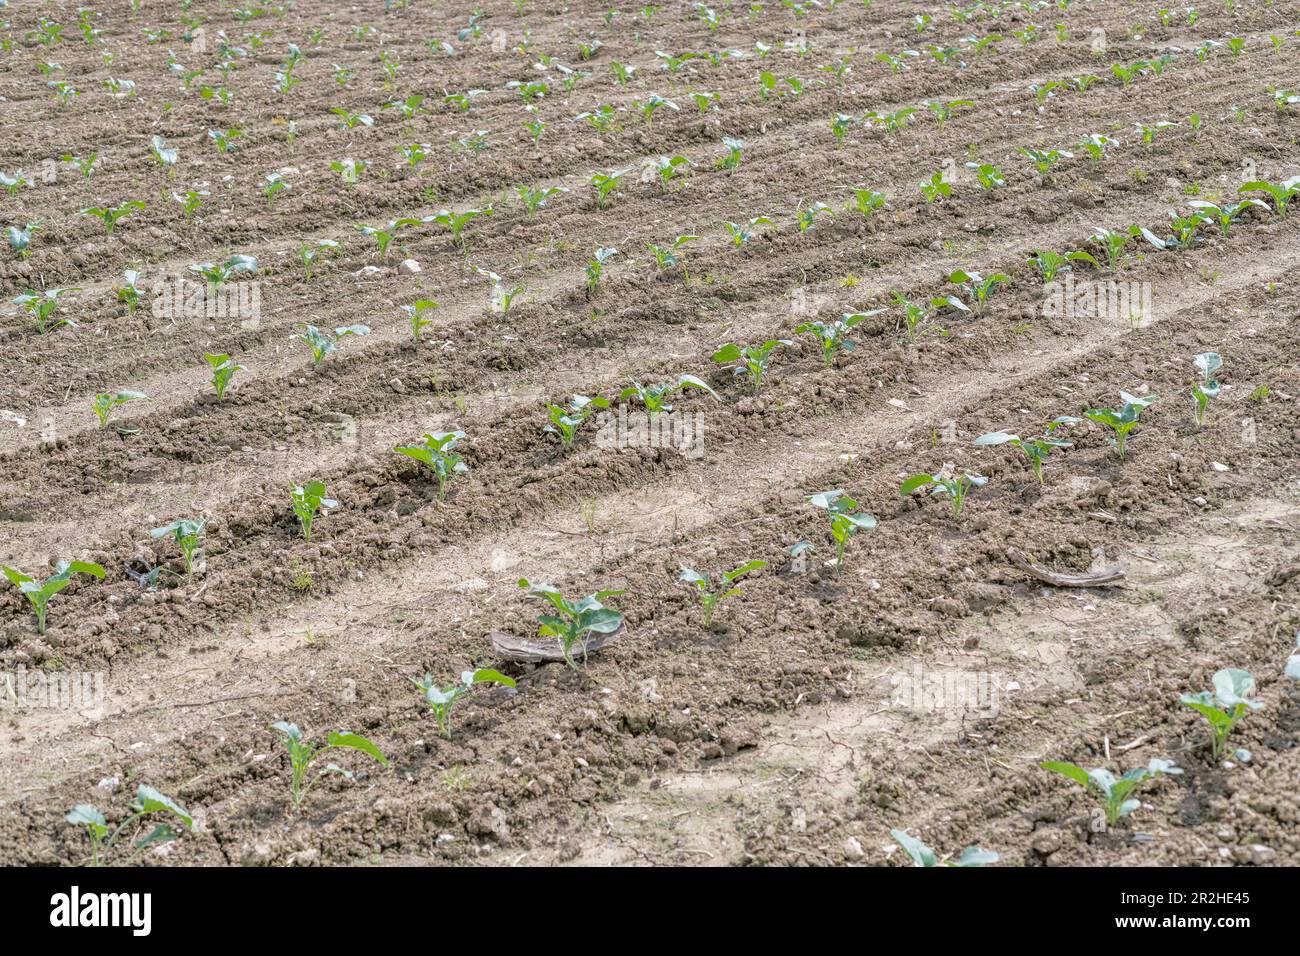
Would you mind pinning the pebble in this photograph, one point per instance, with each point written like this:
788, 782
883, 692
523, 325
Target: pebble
409, 267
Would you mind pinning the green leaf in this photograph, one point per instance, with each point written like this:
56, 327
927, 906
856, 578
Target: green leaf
356, 742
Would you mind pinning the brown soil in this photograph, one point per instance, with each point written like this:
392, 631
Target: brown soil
770, 737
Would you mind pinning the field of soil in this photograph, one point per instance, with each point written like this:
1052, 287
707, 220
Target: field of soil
775, 736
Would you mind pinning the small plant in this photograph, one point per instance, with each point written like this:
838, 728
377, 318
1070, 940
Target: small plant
1113, 243
666, 257
833, 335
38, 593
913, 314
1207, 363
309, 255
456, 222
42, 307
322, 343
922, 855
503, 296
1281, 193
309, 502
670, 168
20, 237
106, 402
565, 421
437, 452
217, 274
273, 185
846, 521
441, 699
164, 155
978, 287
807, 218
302, 753
574, 619
223, 370
147, 802
130, 291
535, 197
415, 314
867, 202
710, 597
1045, 159
936, 187
1037, 448
190, 202
595, 268
988, 175
751, 360
606, 184
224, 139
349, 170
735, 153
945, 484
384, 235
655, 397
741, 234
1224, 706
1122, 421
112, 215
188, 533
1113, 792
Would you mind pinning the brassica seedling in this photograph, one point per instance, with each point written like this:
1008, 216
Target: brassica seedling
989, 175
384, 235
437, 452
565, 422
595, 268
955, 487
112, 215
833, 335
845, 520
166, 156
922, 855
441, 699
38, 593
415, 314
670, 167
1045, 159
710, 597
309, 502
751, 360
668, 256
1281, 193
503, 296
807, 218
1113, 242
1113, 792
302, 753
188, 533
535, 197
216, 274
191, 201
655, 397
223, 370
1207, 363
735, 152
322, 343
130, 291
1122, 421
309, 255
979, 287
147, 802
224, 139
105, 403
606, 184
456, 222
741, 234
274, 185
866, 201
574, 618
42, 306
1223, 707
1036, 448
350, 170
20, 237
936, 187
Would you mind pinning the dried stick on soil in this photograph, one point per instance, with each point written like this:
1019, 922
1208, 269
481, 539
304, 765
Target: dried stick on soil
1098, 579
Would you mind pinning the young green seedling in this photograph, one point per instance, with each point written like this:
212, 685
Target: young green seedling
1113, 243
595, 268
309, 503
310, 255
188, 533
1121, 421
416, 315
866, 201
441, 699
845, 520
1223, 707
147, 802
349, 170
165, 156
750, 360
130, 291
42, 306
38, 593
922, 855
936, 187
456, 222
384, 235
1281, 193
1037, 448
1227, 214
741, 234
535, 197
190, 202
217, 274
223, 370
565, 422
574, 619
322, 343
655, 397
437, 452
710, 597
807, 218
668, 256
913, 314
978, 287
503, 296
606, 184
112, 215
224, 139
833, 335
1114, 793
106, 402
1207, 363
955, 487
302, 753
989, 175
20, 237
735, 152
1045, 159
